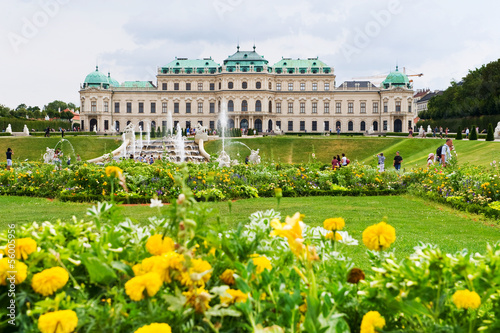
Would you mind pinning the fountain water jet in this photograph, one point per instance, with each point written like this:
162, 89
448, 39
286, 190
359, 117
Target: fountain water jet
179, 143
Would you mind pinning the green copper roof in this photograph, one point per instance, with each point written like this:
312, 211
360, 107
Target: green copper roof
396, 78
112, 81
245, 58
137, 84
190, 65
96, 78
290, 65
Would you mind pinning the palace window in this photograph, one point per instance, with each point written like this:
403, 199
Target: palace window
220, 85
176, 107
385, 107
153, 107
362, 107
230, 106
106, 125
398, 106
302, 107
278, 124
164, 86
188, 107
188, 86
200, 86
164, 107
278, 86
106, 106
409, 107
258, 106
244, 106
270, 85
315, 86
212, 125
290, 86
314, 126
302, 125
200, 107
338, 107
327, 126
327, 86
244, 85
117, 107
93, 106
362, 126
375, 107
141, 107
230, 85
350, 126
212, 107
212, 86
327, 107
302, 86
258, 85
385, 125
278, 107
350, 107
314, 107
290, 125
129, 107
176, 86
290, 107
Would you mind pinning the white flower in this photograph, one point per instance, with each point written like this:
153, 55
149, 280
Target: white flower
87, 245
156, 203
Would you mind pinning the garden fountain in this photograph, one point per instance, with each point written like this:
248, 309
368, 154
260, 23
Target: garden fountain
148, 134
50, 156
170, 124
179, 144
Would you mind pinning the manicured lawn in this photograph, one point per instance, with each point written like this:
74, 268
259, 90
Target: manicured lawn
291, 149
33, 148
415, 220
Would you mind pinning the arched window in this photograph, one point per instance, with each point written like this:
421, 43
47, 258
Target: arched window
141, 125
362, 126
244, 124
244, 106
258, 106
117, 126
230, 106
244, 85
258, 85
230, 123
230, 85
375, 126
258, 125
338, 125
270, 107
350, 126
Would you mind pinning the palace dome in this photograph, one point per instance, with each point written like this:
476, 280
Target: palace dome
96, 78
396, 78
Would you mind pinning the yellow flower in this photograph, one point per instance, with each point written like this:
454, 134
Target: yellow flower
235, 296
198, 273
372, 320
155, 328
156, 264
228, 277
135, 287
337, 236
24, 247
198, 298
292, 231
20, 269
261, 262
64, 321
112, 171
337, 223
465, 299
49, 280
157, 245
379, 236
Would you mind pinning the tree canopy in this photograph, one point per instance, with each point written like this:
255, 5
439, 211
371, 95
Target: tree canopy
477, 94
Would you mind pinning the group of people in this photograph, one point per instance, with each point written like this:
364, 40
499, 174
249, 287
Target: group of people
338, 162
144, 159
445, 154
396, 162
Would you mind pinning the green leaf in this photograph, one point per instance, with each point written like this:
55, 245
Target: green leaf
122, 267
99, 271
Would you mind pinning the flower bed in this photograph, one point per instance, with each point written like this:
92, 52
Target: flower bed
178, 274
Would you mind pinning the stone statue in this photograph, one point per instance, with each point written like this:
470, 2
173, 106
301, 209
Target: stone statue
49, 156
9, 129
254, 157
200, 128
130, 128
429, 129
224, 160
497, 131
370, 131
26, 130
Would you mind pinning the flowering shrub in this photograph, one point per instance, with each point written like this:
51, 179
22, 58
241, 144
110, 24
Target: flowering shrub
180, 274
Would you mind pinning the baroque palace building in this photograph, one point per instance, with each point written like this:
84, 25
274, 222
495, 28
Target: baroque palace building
294, 95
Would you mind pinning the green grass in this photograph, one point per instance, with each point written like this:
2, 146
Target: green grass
414, 219
414, 151
33, 148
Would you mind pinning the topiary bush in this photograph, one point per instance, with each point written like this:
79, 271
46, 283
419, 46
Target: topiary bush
473, 133
459, 133
490, 136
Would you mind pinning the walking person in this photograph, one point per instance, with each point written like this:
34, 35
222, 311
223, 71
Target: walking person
440, 132
397, 161
9, 158
446, 152
381, 162
467, 133
338, 131
446, 132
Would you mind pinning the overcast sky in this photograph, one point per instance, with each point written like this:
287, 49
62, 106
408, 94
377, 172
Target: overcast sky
49, 46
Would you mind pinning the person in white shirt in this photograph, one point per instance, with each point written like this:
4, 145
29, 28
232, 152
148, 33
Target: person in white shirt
344, 160
446, 152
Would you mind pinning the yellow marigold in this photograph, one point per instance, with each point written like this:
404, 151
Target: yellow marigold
234, 296
379, 236
336, 238
198, 298
64, 321
20, 269
24, 247
158, 245
174, 260
228, 277
465, 299
371, 321
134, 288
198, 274
113, 171
155, 328
261, 262
292, 231
49, 280
138, 270
337, 223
